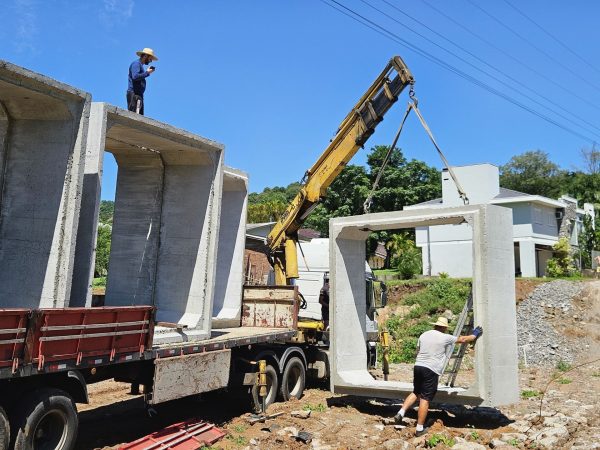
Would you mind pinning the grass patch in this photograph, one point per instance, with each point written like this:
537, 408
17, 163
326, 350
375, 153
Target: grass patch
596, 374
378, 272
563, 366
529, 394
239, 428
438, 295
237, 440
514, 442
99, 282
564, 381
475, 435
436, 439
320, 407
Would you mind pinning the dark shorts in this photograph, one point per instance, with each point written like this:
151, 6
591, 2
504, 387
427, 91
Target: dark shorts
135, 103
425, 383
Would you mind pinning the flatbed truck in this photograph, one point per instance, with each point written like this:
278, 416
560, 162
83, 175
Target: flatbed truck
48, 357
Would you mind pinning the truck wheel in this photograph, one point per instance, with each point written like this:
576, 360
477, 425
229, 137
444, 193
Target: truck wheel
4, 430
46, 420
293, 379
272, 388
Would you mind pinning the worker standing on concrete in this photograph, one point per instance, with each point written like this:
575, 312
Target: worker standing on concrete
137, 80
432, 348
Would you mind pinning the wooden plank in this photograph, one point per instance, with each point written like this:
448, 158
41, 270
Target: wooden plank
270, 307
273, 293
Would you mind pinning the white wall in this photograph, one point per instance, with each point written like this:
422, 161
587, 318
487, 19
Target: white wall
481, 182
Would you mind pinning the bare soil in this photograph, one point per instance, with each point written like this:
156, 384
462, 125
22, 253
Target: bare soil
342, 422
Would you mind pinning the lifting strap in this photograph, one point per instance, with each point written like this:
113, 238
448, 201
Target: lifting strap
414, 106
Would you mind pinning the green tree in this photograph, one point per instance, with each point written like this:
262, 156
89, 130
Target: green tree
268, 211
405, 255
587, 242
585, 187
268, 205
107, 211
102, 250
403, 182
345, 197
532, 173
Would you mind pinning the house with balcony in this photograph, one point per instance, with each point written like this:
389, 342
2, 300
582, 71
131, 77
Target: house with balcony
538, 223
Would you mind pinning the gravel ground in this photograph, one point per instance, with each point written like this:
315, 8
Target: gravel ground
539, 343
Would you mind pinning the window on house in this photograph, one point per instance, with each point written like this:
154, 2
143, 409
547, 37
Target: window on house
538, 217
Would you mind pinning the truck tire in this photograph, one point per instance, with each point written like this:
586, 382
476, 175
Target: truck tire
4, 430
293, 379
272, 389
46, 420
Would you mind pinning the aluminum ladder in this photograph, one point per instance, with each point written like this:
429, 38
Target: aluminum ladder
457, 352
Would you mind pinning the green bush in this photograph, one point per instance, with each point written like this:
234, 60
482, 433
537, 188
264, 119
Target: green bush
99, 282
406, 256
529, 394
437, 296
436, 439
561, 264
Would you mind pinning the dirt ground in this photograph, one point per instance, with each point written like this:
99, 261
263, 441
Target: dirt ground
570, 409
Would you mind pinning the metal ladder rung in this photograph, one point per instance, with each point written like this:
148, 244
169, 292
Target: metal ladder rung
457, 355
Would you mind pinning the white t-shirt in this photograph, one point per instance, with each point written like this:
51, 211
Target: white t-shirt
433, 345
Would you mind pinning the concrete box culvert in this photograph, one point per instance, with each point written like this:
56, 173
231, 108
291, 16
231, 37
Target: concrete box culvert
230, 257
43, 125
496, 361
166, 219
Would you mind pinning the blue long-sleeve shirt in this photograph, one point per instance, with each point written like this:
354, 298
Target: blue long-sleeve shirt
137, 78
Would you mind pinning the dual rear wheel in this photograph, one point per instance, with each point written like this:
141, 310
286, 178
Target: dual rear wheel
291, 384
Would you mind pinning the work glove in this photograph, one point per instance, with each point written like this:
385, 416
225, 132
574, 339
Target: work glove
477, 331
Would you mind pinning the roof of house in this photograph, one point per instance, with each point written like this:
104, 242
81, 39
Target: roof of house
505, 196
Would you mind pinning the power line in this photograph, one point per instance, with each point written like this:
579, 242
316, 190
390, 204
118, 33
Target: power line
541, 50
394, 37
554, 38
508, 55
514, 80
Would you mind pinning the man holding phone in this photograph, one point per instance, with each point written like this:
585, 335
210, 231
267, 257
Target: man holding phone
137, 80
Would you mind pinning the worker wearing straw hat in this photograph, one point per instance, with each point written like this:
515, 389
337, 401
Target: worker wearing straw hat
432, 348
137, 79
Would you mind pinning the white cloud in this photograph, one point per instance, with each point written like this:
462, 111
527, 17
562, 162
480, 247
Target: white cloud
25, 25
116, 12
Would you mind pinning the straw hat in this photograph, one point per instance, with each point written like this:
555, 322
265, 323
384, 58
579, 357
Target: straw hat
441, 322
149, 52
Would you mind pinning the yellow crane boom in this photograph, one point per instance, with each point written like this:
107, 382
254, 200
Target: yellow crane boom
352, 134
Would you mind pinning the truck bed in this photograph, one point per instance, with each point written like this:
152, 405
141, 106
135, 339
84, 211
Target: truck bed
55, 340
226, 338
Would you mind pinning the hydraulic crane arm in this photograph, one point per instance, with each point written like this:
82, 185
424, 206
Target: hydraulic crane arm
352, 134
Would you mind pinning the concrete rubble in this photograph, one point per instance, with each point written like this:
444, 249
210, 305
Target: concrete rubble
43, 126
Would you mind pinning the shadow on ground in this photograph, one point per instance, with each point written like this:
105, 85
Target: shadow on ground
451, 415
126, 421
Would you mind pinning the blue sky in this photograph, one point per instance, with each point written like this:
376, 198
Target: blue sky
272, 79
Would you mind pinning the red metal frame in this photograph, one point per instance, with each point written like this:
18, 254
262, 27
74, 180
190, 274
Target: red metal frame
189, 435
76, 333
13, 329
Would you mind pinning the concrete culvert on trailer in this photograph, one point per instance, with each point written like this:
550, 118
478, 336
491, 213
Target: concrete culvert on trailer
43, 124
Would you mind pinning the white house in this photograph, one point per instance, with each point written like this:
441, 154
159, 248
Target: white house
538, 222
